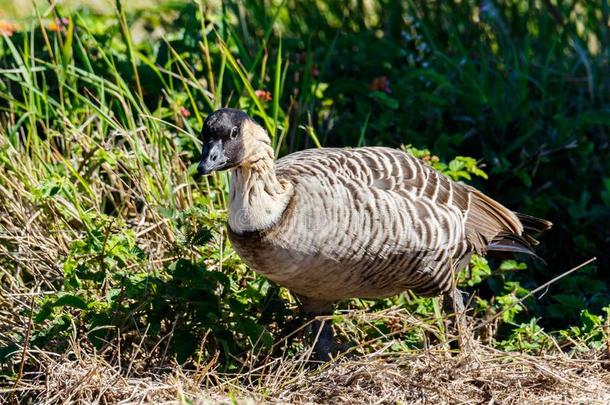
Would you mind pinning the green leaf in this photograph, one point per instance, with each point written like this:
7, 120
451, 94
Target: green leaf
70, 300
384, 99
590, 321
44, 312
508, 265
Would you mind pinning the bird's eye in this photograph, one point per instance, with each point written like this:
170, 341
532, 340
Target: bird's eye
233, 132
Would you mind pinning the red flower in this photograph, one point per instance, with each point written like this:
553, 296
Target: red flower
7, 28
263, 95
184, 112
381, 83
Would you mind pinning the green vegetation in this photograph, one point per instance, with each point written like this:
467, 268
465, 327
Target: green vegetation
106, 239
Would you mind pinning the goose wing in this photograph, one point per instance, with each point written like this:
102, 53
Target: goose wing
487, 224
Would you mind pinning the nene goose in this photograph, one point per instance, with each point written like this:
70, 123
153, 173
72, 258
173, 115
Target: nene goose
331, 224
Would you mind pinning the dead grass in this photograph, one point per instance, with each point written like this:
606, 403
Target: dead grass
428, 376
432, 375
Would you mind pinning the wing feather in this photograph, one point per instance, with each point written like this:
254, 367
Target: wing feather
487, 224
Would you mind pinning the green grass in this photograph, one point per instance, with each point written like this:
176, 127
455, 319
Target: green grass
107, 240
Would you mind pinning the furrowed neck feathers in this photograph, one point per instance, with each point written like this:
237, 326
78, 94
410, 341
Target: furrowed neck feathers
257, 197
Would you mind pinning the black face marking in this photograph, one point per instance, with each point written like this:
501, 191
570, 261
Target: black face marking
222, 140
223, 124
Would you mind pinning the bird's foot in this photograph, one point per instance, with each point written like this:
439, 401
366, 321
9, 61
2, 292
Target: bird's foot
456, 323
325, 348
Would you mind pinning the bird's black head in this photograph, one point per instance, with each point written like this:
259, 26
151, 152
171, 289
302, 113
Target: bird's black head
223, 140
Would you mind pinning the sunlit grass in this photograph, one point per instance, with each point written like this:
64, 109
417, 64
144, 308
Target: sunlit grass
22, 9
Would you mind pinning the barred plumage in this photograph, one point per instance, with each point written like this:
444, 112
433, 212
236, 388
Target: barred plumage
331, 224
370, 222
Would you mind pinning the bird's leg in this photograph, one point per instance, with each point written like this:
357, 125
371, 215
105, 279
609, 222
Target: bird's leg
453, 305
320, 331
324, 340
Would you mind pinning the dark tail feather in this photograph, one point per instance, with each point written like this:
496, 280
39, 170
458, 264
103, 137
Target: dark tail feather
511, 243
525, 243
533, 224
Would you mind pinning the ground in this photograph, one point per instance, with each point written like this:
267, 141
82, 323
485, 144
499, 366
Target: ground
433, 375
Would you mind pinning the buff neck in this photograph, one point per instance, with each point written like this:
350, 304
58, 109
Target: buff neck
257, 197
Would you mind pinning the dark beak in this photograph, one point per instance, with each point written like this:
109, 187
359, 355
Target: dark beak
212, 158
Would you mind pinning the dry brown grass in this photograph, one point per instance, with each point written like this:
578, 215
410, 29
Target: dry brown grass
428, 376
432, 375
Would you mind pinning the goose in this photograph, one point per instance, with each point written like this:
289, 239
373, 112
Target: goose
331, 224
